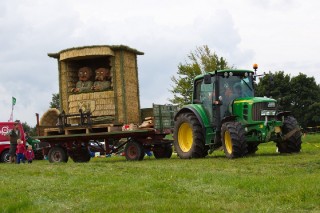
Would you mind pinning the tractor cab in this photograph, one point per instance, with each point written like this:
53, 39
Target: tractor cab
222, 88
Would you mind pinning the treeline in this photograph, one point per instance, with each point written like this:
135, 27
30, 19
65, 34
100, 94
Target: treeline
299, 94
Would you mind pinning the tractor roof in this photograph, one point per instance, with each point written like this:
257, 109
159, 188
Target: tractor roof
226, 70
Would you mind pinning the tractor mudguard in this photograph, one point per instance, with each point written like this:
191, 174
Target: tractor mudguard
200, 113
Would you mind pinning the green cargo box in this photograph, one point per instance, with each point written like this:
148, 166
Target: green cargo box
164, 116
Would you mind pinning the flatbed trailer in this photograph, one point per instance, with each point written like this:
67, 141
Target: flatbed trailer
77, 141
136, 143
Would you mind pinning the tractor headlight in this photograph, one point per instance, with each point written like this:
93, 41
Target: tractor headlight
268, 112
271, 104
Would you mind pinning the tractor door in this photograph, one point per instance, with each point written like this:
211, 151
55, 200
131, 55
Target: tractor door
206, 96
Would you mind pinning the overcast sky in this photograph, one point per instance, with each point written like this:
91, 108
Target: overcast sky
276, 34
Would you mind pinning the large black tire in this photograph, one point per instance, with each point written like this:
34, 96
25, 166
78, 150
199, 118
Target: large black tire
4, 158
252, 147
38, 155
293, 143
81, 155
162, 151
57, 155
233, 140
189, 141
134, 151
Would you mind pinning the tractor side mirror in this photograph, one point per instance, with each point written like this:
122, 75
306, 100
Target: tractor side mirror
207, 79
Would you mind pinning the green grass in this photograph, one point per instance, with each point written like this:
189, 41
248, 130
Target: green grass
264, 182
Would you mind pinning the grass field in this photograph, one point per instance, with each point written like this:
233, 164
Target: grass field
264, 182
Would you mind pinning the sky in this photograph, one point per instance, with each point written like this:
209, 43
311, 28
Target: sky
279, 35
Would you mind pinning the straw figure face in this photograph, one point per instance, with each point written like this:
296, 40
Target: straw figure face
84, 73
102, 79
102, 74
84, 84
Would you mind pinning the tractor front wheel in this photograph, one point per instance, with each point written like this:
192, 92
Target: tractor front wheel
293, 143
233, 140
189, 141
252, 147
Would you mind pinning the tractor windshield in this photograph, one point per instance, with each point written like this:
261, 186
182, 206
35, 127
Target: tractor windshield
233, 87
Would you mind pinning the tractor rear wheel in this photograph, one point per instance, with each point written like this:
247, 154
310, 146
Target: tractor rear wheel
233, 140
293, 143
189, 141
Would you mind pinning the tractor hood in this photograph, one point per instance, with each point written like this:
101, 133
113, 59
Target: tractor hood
251, 100
252, 109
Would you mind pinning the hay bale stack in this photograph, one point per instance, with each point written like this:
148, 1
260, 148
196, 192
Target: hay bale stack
119, 104
49, 119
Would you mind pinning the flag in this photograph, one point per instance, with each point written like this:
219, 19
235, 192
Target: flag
14, 100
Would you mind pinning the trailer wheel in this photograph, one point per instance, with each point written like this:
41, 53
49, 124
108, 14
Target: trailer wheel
57, 154
293, 143
81, 156
5, 156
134, 151
233, 140
188, 137
38, 155
162, 151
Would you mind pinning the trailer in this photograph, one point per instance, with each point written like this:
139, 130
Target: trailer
75, 141
99, 102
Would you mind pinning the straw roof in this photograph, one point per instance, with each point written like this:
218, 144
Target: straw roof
112, 47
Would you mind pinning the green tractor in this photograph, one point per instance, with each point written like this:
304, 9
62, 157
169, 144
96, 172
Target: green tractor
225, 113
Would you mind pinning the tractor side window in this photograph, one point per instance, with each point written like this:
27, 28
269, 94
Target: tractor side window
197, 91
207, 93
207, 97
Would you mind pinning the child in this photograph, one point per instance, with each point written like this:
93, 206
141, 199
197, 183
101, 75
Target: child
29, 154
20, 151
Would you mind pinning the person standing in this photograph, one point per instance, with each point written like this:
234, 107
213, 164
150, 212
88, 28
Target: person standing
14, 135
21, 149
29, 154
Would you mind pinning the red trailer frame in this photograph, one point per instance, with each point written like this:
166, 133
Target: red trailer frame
136, 143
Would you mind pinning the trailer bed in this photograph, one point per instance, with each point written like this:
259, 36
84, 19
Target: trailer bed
96, 136
135, 142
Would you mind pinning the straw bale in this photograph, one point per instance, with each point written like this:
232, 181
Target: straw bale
85, 96
50, 118
86, 51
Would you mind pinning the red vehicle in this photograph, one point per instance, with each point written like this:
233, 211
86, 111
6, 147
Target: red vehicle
6, 127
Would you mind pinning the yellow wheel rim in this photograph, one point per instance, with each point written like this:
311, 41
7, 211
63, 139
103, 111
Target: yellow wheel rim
185, 137
228, 142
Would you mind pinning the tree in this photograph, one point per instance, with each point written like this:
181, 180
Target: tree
300, 95
55, 103
201, 61
276, 86
29, 129
304, 93
312, 115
